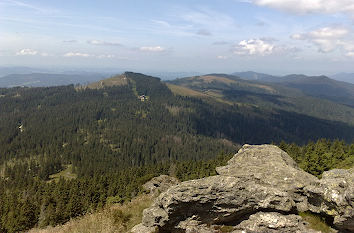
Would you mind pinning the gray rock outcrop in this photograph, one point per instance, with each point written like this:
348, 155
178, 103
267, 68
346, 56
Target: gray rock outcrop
160, 184
333, 196
261, 189
273, 222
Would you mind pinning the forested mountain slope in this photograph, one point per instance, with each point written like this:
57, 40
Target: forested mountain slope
337, 90
318, 97
115, 137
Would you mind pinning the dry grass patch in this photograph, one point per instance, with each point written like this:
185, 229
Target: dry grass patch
115, 218
210, 78
119, 80
67, 174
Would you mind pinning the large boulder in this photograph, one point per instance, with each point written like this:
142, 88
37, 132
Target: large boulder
258, 183
333, 196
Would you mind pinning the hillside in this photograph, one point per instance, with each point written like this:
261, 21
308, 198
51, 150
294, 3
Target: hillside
122, 217
322, 87
340, 89
266, 96
66, 151
251, 75
118, 80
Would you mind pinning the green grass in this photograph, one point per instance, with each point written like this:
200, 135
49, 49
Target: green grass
316, 222
119, 80
225, 229
67, 174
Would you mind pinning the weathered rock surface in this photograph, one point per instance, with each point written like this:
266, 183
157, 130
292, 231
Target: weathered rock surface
333, 196
160, 184
260, 184
273, 222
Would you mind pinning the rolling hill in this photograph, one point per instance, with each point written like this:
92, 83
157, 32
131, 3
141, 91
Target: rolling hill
335, 89
251, 75
319, 97
322, 87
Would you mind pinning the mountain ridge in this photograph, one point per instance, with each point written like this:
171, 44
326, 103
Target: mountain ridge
297, 95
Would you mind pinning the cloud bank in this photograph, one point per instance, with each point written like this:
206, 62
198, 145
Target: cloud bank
152, 49
26, 52
309, 6
103, 43
329, 39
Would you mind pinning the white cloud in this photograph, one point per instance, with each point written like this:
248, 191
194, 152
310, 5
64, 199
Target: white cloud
348, 47
323, 33
328, 39
309, 6
76, 54
31, 52
161, 23
104, 43
106, 56
254, 47
350, 54
152, 49
222, 57
25, 52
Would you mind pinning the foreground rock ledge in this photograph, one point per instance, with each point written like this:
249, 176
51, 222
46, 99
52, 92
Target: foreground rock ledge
261, 189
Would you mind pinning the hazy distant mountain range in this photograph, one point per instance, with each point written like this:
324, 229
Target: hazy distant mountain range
251, 75
45, 79
345, 77
20, 70
37, 77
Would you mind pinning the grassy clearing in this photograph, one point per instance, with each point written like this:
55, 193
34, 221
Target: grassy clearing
67, 174
115, 218
185, 91
316, 222
211, 78
119, 80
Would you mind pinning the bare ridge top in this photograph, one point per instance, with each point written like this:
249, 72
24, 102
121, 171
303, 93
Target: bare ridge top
268, 164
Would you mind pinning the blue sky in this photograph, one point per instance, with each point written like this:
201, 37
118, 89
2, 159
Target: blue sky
272, 36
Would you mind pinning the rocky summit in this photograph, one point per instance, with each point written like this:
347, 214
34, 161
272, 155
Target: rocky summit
261, 189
